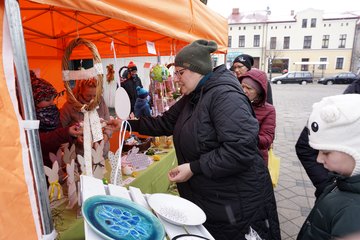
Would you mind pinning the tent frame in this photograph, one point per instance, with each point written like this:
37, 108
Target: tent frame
12, 11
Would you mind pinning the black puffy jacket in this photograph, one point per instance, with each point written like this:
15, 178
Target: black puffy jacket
215, 130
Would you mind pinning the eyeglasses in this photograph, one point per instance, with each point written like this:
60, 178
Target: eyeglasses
179, 73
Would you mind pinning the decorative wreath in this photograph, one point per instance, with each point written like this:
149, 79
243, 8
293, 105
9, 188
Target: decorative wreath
95, 72
121, 73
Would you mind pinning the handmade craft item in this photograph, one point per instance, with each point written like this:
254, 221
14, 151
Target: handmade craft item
72, 192
110, 73
99, 169
159, 73
54, 190
92, 127
136, 160
58, 157
113, 158
69, 154
122, 104
81, 162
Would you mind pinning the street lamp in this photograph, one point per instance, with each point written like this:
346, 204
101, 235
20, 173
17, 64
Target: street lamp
270, 67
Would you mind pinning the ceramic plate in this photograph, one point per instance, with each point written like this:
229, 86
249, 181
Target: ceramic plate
176, 210
118, 218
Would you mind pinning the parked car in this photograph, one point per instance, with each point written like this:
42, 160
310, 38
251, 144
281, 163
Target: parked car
294, 77
341, 78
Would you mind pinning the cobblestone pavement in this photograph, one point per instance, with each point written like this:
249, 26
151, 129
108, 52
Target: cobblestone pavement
295, 192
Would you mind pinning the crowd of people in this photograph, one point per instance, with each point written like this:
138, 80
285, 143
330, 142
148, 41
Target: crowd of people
223, 127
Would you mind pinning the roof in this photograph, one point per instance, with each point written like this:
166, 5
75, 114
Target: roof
49, 25
237, 17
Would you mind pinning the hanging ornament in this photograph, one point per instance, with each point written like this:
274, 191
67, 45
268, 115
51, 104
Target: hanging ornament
159, 73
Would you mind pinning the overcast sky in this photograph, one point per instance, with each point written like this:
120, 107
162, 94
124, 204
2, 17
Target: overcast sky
282, 7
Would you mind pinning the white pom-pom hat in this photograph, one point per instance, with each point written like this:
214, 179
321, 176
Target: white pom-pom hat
334, 125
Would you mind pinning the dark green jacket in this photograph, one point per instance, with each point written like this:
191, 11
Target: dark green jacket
336, 213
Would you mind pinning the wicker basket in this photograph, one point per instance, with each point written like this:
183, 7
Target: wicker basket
65, 66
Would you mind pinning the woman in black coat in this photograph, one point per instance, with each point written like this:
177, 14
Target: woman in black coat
215, 134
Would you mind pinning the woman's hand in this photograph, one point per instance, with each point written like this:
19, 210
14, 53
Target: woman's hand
75, 130
181, 173
113, 124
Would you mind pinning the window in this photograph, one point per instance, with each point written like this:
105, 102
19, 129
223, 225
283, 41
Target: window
339, 63
259, 27
325, 41
291, 75
304, 23
342, 41
244, 28
323, 66
273, 43
307, 41
229, 41
254, 27
256, 40
305, 67
239, 28
313, 23
242, 41
279, 65
230, 28
286, 42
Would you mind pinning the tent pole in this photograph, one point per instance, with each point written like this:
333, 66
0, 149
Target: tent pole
12, 11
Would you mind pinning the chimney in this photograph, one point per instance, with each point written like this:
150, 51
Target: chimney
292, 13
235, 11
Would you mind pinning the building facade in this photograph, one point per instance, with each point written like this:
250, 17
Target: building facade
324, 44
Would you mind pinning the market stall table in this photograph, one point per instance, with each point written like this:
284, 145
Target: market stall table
151, 180
91, 186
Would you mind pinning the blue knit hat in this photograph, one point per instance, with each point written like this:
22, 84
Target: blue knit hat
141, 92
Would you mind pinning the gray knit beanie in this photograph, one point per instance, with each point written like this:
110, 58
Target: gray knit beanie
196, 56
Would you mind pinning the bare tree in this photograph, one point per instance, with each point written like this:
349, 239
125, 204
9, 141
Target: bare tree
272, 55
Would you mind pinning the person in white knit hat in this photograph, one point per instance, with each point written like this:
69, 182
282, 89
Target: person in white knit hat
334, 130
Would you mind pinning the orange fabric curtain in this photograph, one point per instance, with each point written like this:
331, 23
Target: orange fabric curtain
16, 217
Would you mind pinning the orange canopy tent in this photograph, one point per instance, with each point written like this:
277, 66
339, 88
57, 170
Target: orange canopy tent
49, 25
36, 37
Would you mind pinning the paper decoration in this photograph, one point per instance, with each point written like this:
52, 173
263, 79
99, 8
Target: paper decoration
81, 162
113, 158
54, 190
69, 154
72, 192
136, 160
151, 47
122, 104
147, 65
99, 169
